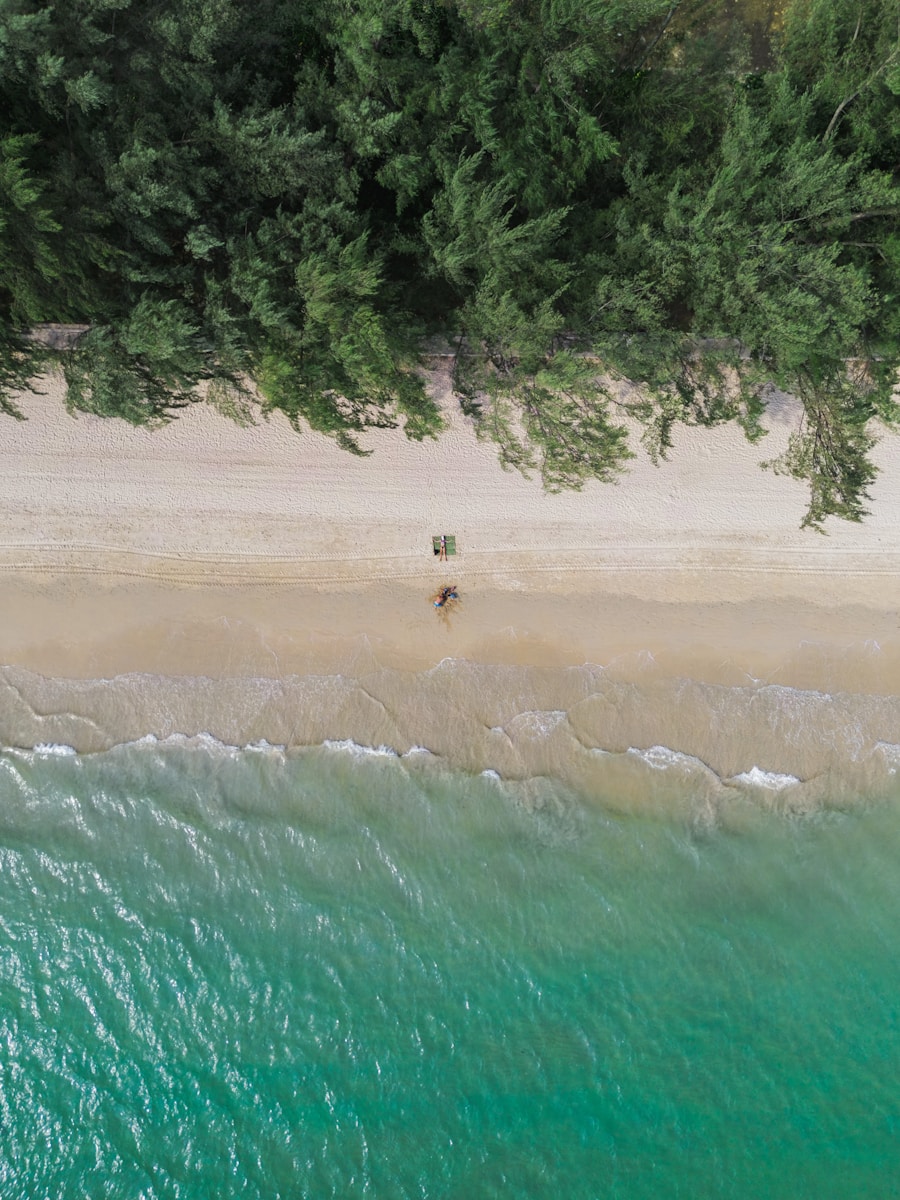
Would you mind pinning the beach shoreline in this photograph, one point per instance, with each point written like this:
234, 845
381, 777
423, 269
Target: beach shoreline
257, 585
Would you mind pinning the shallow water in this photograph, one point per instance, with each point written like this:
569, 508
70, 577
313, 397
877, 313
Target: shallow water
330, 973
629, 734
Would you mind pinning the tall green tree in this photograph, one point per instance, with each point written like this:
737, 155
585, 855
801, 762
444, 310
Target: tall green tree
749, 263
292, 195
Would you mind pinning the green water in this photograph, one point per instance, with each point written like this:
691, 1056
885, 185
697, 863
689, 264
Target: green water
231, 974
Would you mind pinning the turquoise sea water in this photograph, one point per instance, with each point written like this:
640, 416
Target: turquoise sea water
335, 975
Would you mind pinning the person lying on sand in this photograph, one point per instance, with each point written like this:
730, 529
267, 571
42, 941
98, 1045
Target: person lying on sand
445, 594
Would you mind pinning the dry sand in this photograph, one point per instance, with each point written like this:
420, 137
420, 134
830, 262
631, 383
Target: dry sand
205, 548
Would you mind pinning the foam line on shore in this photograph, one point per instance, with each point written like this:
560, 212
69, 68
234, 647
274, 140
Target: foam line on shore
588, 728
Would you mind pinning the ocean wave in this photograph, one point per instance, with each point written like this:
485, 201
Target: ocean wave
582, 726
536, 722
662, 758
890, 752
202, 741
348, 746
773, 781
210, 744
261, 746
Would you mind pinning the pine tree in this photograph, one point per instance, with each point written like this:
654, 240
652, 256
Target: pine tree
140, 370
297, 193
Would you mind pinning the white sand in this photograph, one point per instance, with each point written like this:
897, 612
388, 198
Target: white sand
202, 494
204, 548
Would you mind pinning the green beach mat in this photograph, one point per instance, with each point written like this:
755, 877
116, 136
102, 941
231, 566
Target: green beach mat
449, 540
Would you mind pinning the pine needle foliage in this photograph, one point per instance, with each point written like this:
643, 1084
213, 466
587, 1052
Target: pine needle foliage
830, 450
283, 199
142, 370
541, 403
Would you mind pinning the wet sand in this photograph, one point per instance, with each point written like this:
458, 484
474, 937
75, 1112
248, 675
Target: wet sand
787, 629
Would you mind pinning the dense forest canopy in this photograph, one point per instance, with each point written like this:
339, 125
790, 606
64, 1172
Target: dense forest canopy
697, 196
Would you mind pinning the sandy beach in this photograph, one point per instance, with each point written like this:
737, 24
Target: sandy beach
213, 520
202, 496
207, 551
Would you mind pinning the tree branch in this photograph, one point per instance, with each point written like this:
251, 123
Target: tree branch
836, 116
665, 26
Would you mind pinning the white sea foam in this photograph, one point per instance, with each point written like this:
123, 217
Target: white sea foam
771, 780
806, 696
263, 747
536, 723
416, 751
490, 773
891, 754
661, 758
206, 741
54, 750
348, 746
199, 741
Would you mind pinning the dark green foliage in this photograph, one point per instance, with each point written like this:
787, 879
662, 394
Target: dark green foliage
20, 362
140, 370
293, 195
846, 58
830, 450
746, 268
543, 405
30, 268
